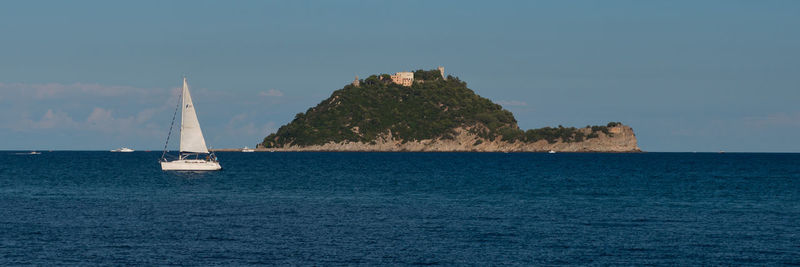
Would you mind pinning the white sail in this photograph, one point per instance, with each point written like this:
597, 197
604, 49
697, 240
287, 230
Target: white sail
191, 136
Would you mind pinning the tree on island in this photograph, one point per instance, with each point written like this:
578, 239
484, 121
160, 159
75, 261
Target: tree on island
430, 109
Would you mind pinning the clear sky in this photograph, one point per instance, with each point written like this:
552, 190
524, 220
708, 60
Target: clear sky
686, 75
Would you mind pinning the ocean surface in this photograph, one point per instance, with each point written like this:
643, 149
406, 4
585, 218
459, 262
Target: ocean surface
102, 208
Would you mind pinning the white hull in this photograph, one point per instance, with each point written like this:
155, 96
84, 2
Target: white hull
192, 143
190, 165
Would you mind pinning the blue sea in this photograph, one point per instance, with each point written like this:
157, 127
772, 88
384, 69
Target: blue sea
102, 208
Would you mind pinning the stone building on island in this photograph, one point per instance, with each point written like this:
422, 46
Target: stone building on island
404, 78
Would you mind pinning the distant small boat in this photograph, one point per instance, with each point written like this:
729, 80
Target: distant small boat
34, 153
247, 149
122, 149
551, 152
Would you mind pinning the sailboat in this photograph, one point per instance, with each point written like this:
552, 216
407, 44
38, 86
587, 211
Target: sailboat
192, 144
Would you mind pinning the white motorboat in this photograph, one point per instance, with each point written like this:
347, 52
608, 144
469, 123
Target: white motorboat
193, 154
247, 149
551, 151
122, 149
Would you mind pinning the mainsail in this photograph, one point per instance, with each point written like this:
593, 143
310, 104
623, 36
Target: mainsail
191, 136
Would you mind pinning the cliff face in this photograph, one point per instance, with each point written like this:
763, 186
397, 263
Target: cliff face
434, 114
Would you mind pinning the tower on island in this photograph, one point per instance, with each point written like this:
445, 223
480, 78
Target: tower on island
441, 71
356, 83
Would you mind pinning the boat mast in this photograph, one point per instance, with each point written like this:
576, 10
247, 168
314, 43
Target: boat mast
174, 114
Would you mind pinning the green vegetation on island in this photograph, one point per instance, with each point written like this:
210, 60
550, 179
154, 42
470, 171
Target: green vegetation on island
431, 108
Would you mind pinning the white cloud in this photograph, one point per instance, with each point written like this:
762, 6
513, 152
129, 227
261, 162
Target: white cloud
104, 121
51, 119
237, 118
61, 100
245, 129
238, 125
271, 92
511, 103
146, 114
109, 116
99, 115
99, 120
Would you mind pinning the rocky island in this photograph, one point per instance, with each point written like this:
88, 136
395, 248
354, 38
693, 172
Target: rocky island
426, 111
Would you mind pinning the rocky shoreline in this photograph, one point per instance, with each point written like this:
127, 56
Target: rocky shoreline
620, 139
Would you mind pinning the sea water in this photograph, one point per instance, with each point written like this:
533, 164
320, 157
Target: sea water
85, 208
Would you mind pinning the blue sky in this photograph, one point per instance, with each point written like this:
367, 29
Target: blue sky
686, 75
